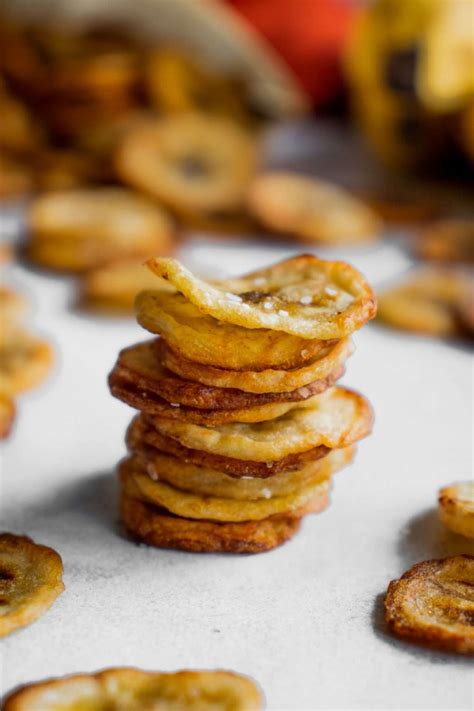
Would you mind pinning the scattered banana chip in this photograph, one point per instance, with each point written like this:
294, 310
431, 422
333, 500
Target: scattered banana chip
137, 484
448, 241
208, 341
456, 508
428, 302
80, 229
311, 210
191, 162
7, 415
336, 418
433, 604
30, 581
326, 368
303, 296
136, 690
209, 482
142, 436
114, 287
157, 527
139, 379
24, 362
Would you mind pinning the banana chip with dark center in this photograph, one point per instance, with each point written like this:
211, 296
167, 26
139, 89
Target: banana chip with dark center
30, 581
433, 604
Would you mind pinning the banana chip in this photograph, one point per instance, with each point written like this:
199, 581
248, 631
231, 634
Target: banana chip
428, 302
24, 362
211, 418
7, 415
303, 296
137, 484
433, 604
210, 482
143, 435
79, 229
327, 367
448, 241
136, 690
208, 341
114, 287
311, 210
30, 581
139, 379
336, 418
456, 508
157, 527
191, 162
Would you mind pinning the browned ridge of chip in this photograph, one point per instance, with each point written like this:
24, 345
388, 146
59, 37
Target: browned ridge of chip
433, 604
139, 379
158, 527
142, 433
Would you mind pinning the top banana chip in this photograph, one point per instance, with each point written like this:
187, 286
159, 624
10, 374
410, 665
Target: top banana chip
304, 296
203, 339
136, 690
336, 418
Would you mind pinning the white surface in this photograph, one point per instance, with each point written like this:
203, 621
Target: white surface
304, 620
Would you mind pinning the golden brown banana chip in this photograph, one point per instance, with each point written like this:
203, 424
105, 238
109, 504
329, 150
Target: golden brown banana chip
159, 528
139, 379
79, 229
210, 482
136, 483
428, 302
311, 209
7, 415
456, 508
303, 296
113, 287
336, 418
30, 581
433, 604
16, 178
190, 162
142, 435
177, 84
136, 690
326, 368
448, 241
24, 362
208, 341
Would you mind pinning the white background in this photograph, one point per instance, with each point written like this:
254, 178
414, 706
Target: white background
305, 620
